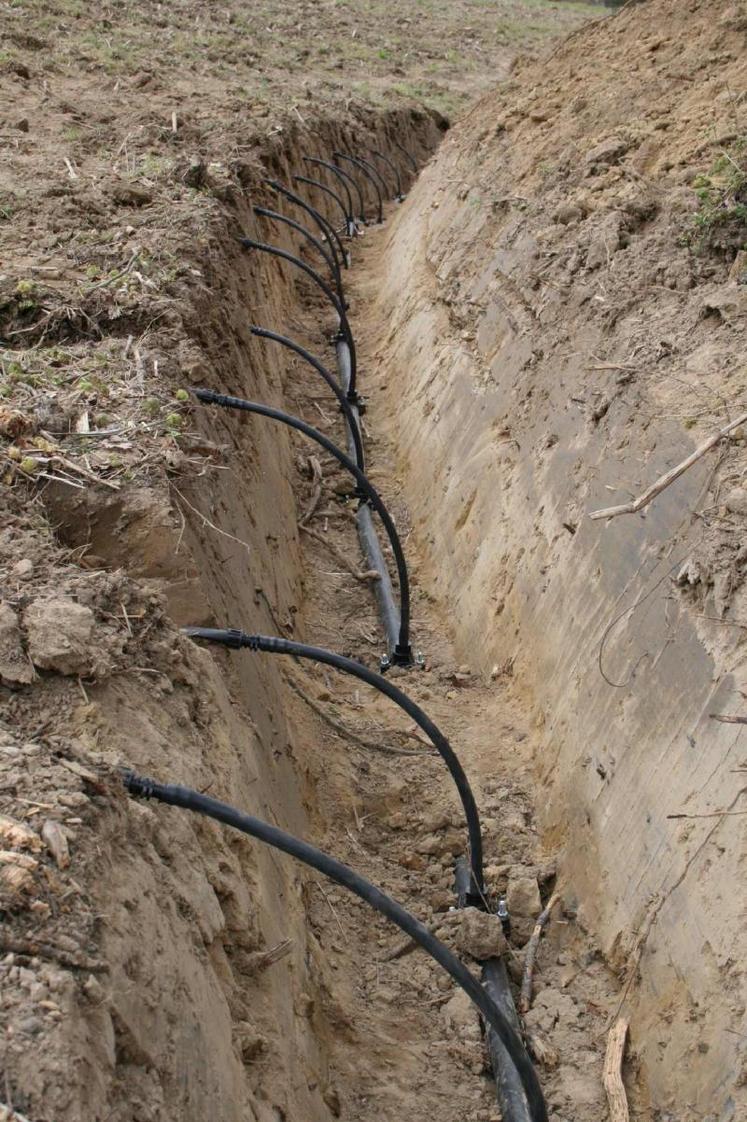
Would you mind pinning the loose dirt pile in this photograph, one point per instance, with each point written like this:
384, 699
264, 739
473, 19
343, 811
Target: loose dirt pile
568, 326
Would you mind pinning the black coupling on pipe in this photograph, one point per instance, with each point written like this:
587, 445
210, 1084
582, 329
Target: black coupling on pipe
189, 799
402, 654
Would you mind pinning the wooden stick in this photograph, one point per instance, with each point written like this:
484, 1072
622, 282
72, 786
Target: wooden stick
525, 997
612, 1074
669, 476
340, 558
316, 475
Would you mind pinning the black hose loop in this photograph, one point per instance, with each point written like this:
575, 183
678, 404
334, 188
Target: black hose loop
189, 799
374, 172
365, 171
327, 191
342, 178
274, 645
329, 260
333, 238
276, 251
399, 194
408, 156
343, 399
402, 654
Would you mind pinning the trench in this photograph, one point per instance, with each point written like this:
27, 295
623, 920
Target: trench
365, 1032
245, 986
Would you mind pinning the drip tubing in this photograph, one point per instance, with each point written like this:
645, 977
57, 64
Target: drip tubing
333, 194
399, 194
361, 167
276, 251
329, 260
347, 181
402, 651
333, 238
345, 405
189, 799
239, 639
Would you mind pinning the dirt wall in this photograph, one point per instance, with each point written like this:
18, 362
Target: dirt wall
554, 341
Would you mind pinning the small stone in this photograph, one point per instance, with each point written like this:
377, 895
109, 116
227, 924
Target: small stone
15, 668
523, 896
23, 124
60, 635
23, 569
56, 842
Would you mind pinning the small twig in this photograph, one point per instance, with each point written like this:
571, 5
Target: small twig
612, 1074
670, 476
728, 718
525, 997
116, 277
404, 946
316, 474
9, 1114
343, 730
206, 521
340, 558
331, 907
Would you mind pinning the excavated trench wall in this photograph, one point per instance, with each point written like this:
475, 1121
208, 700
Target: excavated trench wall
190, 1022
503, 445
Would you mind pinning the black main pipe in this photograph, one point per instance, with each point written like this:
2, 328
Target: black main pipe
189, 799
333, 238
402, 654
264, 212
347, 334
239, 639
346, 180
327, 191
361, 167
334, 385
399, 196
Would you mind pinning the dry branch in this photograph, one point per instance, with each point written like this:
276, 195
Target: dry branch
670, 476
612, 1075
316, 475
361, 575
525, 997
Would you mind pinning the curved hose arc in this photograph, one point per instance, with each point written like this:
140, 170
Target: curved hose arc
334, 385
327, 191
276, 251
399, 194
407, 155
364, 170
346, 181
374, 172
275, 215
189, 799
403, 650
333, 238
271, 645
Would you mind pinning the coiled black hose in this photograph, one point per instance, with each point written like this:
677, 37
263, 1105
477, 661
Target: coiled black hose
347, 182
329, 260
230, 637
347, 334
333, 194
334, 385
189, 799
402, 654
399, 194
362, 168
333, 238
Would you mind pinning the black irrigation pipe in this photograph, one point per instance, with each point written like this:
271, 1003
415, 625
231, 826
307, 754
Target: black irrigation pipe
402, 653
333, 238
347, 182
189, 799
362, 168
374, 172
334, 385
347, 334
332, 194
399, 193
230, 637
264, 212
